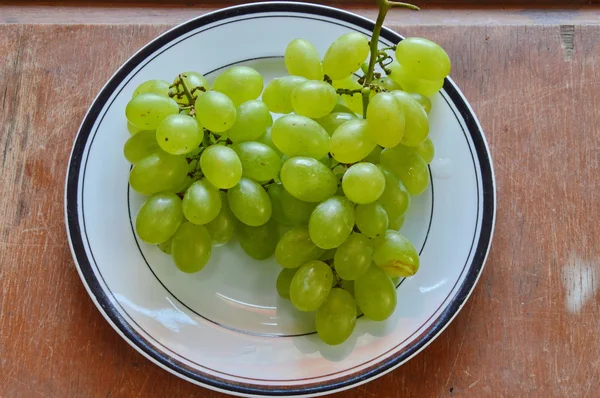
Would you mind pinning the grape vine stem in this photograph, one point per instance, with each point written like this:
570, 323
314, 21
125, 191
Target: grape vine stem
391, 48
345, 91
186, 90
384, 7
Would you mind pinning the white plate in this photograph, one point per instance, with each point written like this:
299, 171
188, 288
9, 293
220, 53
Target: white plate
225, 328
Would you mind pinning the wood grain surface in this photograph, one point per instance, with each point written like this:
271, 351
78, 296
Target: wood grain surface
480, 14
338, 3
530, 328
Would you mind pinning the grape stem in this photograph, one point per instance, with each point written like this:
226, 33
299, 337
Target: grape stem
403, 5
383, 60
206, 139
196, 174
266, 184
377, 89
214, 138
384, 65
186, 90
197, 89
384, 7
196, 156
346, 91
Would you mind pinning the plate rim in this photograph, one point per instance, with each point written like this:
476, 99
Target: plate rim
141, 344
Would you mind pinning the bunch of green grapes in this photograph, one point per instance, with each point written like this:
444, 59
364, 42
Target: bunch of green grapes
324, 187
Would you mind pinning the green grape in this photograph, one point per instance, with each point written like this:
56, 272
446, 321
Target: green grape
158, 172
331, 222
252, 120
191, 247
341, 108
188, 180
302, 59
215, 111
201, 203
196, 151
308, 179
278, 93
351, 142
406, 163
250, 203
375, 294
395, 199
276, 192
371, 219
385, 119
284, 280
332, 121
397, 73
335, 281
336, 317
424, 87
185, 184
353, 257
396, 223
159, 217
295, 210
363, 183
192, 80
296, 135
266, 139
345, 55
295, 248
259, 242
426, 150
347, 286
412, 84
146, 111
240, 83
374, 156
159, 87
165, 246
415, 118
326, 161
313, 98
423, 58
132, 129
179, 134
259, 162
223, 227
139, 146
425, 102
385, 83
354, 101
221, 166
365, 68
311, 286
396, 255
328, 255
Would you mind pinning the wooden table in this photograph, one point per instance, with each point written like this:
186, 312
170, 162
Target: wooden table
531, 327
